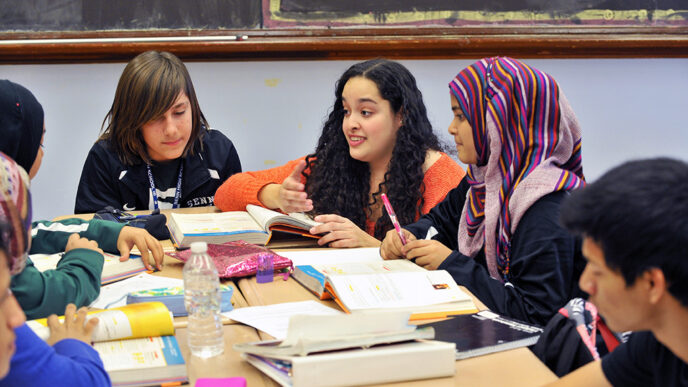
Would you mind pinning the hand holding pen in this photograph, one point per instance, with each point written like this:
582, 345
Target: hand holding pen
391, 247
393, 218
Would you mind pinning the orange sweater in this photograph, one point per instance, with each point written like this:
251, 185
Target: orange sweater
242, 188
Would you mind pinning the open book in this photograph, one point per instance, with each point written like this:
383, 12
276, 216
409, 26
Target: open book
256, 225
351, 350
136, 343
425, 294
485, 332
113, 269
312, 277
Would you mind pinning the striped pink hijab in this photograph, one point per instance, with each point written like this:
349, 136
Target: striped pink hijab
528, 143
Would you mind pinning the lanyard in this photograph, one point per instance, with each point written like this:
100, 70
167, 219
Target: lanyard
177, 193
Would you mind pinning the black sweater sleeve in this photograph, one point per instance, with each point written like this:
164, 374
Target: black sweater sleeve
444, 217
543, 272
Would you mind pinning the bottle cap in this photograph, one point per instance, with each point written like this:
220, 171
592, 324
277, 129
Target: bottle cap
199, 247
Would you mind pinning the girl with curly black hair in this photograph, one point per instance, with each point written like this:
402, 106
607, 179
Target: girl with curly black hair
377, 139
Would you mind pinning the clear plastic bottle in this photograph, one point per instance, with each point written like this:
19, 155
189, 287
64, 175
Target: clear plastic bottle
202, 300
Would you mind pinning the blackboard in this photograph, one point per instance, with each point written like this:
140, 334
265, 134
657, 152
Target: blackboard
114, 30
485, 12
94, 15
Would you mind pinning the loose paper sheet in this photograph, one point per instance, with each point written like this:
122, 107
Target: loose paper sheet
274, 319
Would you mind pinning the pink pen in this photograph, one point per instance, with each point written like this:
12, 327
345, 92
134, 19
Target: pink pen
393, 218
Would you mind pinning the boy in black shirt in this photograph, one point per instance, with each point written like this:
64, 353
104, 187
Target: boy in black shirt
634, 221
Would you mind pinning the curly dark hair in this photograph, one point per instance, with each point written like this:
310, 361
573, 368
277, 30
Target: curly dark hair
339, 184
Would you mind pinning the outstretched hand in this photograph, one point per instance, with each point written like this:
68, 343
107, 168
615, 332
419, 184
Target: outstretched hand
342, 232
74, 326
292, 197
144, 241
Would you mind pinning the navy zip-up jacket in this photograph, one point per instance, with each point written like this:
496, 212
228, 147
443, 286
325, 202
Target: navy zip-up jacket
105, 181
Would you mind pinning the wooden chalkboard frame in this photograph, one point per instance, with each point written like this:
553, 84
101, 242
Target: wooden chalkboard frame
349, 43
313, 33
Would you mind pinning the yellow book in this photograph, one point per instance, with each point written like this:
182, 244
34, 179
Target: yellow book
127, 322
136, 343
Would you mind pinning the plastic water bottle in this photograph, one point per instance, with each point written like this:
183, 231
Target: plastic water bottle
202, 300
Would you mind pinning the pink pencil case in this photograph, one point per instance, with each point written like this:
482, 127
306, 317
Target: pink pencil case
240, 259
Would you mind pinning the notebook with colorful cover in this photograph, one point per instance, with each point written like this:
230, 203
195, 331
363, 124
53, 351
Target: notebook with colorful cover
173, 298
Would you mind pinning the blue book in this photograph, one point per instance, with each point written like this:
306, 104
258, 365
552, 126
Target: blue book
173, 298
311, 279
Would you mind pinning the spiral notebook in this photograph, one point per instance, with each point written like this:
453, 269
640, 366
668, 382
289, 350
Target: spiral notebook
484, 332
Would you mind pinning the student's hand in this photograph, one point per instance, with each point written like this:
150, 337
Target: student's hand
428, 253
75, 241
341, 232
130, 236
391, 245
74, 326
291, 196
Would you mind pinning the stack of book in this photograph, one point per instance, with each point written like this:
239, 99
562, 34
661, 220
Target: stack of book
358, 349
135, 342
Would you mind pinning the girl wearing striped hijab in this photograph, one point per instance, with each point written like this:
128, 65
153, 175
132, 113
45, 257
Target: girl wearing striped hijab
497, 233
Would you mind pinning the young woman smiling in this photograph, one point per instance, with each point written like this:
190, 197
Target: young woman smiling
157, 150
376, 140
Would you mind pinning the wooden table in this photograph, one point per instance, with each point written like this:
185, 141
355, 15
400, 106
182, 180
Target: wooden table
518, 367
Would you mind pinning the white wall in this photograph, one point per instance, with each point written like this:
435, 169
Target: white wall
273, 111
